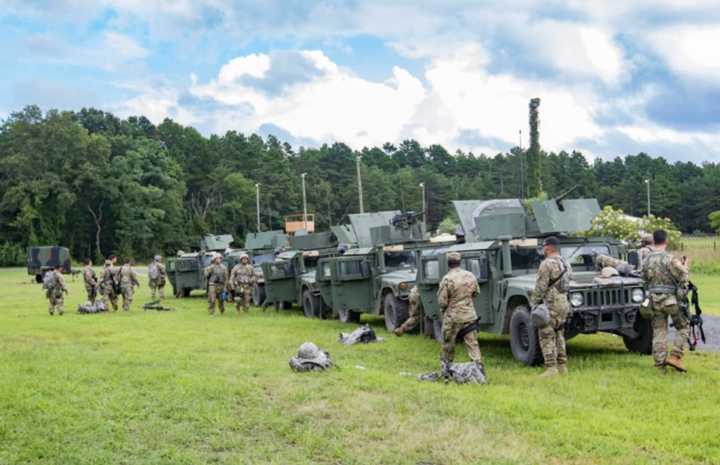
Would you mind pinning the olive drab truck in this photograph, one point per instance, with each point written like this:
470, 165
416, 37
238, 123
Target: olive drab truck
377, 275
41, 259
186, 270
503, 250
262, 247
291, 277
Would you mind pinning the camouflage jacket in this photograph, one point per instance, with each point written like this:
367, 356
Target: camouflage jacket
643, 253
414, 297
109, 276
242, 275
56, 284
128, 276
216, 275
550, 270
455, 295
156, 271
665, 278
90, 277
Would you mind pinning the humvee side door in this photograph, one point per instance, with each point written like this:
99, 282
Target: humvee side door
280, 282
352, 286
323, 277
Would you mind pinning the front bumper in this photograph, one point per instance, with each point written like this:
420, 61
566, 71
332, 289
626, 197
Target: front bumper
604, 309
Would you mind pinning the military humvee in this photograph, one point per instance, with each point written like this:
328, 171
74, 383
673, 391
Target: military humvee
377, 275
261, 248
186, 271
290, 278
41, 259
503, 250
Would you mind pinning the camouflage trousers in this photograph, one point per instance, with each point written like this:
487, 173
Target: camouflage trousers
127, 294
413, 314
56, 302
110, 298
215, 296
157, 287
91, 293
552, 336
243, 294
660, 333
450, 330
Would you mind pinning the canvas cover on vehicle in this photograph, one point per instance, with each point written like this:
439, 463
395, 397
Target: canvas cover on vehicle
48, 257
218, 242
362, 223
265, 240
313, 241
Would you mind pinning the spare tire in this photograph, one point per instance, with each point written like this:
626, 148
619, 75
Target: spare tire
524, 340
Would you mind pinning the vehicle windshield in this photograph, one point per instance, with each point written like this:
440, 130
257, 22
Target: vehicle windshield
404, 259
431, 270
523, 258
260, 259
311, 262
582, 255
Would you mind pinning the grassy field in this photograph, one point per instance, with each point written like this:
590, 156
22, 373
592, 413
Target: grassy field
183, 388
703, 252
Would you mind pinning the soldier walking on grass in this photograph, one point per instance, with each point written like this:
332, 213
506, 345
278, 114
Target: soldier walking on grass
455, 296
216, 277
128, 281
157, 277
242, 279
55, 290
666, 281
91, 281
553, 280
414, 312
108, 285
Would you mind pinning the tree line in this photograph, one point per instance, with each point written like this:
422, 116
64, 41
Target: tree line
99, 184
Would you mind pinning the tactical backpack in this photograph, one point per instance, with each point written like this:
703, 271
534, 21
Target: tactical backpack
49, 281
154, 271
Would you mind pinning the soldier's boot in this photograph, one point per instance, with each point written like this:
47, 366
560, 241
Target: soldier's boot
676, 362
562, 369
550, 372
399, 331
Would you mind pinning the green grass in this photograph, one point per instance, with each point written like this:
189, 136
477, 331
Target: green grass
182, 388
703, 252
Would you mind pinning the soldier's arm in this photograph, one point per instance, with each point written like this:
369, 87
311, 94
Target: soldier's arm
162, 270
443, 296
476, 288
680, 273
541, 283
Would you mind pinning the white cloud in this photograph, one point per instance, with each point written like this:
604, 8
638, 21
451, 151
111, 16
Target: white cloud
690, 50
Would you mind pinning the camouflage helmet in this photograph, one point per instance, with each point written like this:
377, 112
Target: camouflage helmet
244, 256
309, 351
540, 316
108, 263
217, 257
646, 238
609, 272
157, 258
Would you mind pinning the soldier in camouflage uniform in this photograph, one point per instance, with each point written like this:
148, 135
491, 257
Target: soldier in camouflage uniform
551, 286
156, 277
54, 284
242, 279
128, 281
455, 297
666, 281
646, 247
216, 277
107, 285
414, 313
91, 281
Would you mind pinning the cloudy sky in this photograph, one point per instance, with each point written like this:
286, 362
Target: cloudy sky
615, 77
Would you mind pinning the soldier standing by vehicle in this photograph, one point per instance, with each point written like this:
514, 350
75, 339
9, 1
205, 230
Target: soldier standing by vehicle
54, 285
646, 247
216, 277
128, 281
666, 278
157, 277
108, 285
455, 298
91, 281
242, 279
553, 279
414, 313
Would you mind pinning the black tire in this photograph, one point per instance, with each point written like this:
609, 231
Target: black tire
258, 294
395, 311
39, 278
524, 340
643, 343
186, 292
348, 316
311, 305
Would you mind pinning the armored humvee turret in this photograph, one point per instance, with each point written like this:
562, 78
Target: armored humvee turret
290, 278
185, 271
375, 276
262, 247
503, 250
41, 259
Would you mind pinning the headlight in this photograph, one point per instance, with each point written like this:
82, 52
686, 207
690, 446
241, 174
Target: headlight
638, 295
404, 286
576, 299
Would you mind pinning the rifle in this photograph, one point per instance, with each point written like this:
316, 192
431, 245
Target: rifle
696, 320
155, 305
